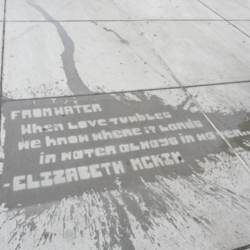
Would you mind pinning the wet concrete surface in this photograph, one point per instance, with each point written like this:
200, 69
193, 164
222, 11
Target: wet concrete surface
228, 109
152, 158
125, 125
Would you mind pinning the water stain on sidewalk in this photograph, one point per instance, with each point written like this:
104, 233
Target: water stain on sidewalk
74, 81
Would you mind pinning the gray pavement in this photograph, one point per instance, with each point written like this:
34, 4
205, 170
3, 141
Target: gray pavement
125, 124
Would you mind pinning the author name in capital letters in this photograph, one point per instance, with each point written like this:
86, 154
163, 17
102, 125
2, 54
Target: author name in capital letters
95, 171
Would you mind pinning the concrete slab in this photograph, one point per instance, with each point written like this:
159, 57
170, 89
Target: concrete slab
167, 169
230, 9
243, 25
75, 58
201, 52
167, 180
106, 9
54, 59
228, 109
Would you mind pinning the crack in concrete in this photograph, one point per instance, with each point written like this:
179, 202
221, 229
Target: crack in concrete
122, 40
74, 81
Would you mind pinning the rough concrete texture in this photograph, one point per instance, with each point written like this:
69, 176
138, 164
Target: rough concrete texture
125, 124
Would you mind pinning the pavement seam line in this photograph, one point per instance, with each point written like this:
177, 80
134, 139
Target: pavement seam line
226, 20
128, 91
3, 47
2, 60
244, 163
125, 20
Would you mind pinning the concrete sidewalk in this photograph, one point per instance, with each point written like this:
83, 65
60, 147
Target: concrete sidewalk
125, 124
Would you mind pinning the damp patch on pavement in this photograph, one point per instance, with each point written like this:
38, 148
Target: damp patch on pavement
228, 108
128, 171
